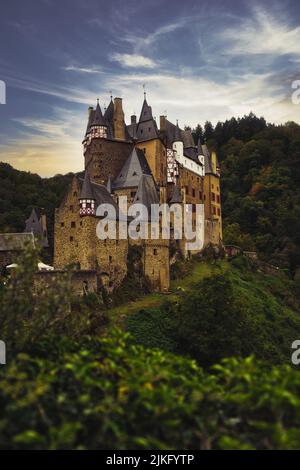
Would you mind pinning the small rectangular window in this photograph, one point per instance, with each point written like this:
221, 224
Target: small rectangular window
71, 239
155, 251
62, 224
73, 224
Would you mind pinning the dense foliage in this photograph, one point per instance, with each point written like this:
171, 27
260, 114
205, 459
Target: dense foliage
235, 312
29, 308
20, 191
260, 186
112, 394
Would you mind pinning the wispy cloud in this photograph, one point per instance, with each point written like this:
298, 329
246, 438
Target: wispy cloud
133, 60
74, 68
263, 33
42, 143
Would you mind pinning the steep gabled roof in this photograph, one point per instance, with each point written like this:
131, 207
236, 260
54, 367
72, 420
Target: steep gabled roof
188, 140
207, 159
86, 189
178, 134
98, 117
146, 128
131, 130
109, 113
147, 193
33, 224
134, 167
146, 112
95, 191
175, 134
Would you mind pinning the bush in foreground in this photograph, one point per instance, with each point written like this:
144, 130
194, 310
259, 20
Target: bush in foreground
114, 394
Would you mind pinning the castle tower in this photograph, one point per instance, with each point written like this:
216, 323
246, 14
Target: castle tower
150, 141
98, 126
105, 146
212, 197
86, 199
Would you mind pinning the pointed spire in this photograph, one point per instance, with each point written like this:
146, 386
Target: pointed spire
177, 135
86, 190
98, 116
146, 113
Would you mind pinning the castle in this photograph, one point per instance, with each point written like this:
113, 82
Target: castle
149, 165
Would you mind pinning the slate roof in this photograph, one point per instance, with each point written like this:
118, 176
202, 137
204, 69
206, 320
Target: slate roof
146, 112
192, 153
207, 158
173, 135
134, 167
32, 224
147, 193
131, 129
146, 128
188, 140
109, 113
96, 191
15, 241
98, 117
86, 189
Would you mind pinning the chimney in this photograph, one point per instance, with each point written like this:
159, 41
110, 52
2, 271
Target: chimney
162, 123
119, 123
133, 119
163, 128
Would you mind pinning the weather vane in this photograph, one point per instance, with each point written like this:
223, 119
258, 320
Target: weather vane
111, 95
144, 87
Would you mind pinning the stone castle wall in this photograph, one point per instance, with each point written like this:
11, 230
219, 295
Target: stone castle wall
104, 158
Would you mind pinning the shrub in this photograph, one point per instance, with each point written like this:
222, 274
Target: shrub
113, 394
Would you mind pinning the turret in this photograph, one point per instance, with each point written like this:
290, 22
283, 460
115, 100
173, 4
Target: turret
178, 142
201, 156
87, 199
98, 127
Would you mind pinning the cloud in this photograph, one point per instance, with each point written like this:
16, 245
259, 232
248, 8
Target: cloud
47, 146
133, 60
263, 33
73, 68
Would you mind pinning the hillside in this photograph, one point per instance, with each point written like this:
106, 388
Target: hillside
74, 381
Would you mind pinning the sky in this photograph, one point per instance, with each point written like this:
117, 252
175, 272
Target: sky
199, 60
